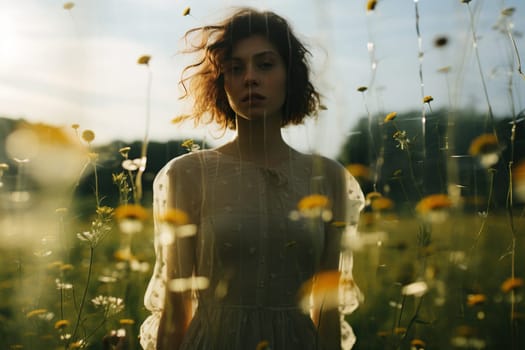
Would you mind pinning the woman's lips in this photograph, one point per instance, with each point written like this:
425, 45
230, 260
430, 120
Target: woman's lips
253, 98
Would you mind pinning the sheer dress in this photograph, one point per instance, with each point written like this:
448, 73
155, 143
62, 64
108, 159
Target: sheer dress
253, 247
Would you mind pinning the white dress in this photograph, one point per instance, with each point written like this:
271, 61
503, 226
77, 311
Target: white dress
253, 254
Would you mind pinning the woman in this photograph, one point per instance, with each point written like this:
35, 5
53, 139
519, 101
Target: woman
268, 218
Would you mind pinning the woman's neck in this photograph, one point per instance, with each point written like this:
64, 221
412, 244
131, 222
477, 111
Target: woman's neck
259, 141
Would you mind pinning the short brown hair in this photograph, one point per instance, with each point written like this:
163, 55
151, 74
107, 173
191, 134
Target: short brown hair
206, 79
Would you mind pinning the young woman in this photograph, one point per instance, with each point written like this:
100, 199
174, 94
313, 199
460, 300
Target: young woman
268, 219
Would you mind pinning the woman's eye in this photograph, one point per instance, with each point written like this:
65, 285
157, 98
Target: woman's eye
266, 65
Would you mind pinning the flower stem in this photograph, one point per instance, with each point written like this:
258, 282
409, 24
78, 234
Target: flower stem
84, 295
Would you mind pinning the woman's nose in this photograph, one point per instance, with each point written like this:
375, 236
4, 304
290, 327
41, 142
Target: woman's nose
251, 76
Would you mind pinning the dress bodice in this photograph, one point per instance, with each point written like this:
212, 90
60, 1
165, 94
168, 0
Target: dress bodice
250, 245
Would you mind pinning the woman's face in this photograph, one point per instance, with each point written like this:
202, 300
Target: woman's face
255, 79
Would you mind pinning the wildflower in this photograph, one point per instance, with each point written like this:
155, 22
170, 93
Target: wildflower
400, 330
126, 321
323, 287
186, 11
131, 211
511, 284
263, 345
383, 334
61, 324
359, 171
190, 145
111, 305
485, 143
362, 88
174, 217
445, 69
75, 126
311, 207
63, 286
88, 135
123, 255
417, 289
428, 99
36, 312
440, 41
66, 267
518, 174
390, 116
312, 202
381, 203
131, 164
180, 118
124, 151
508, 11
476, 299
402, 139
191, 283
371, 5
417, 344
371, 196
144, 59
68, 5
433, 202
54, 264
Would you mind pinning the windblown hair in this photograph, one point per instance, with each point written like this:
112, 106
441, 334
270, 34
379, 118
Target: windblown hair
204, 79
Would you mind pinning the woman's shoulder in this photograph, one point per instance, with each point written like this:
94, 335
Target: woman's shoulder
187, 165
322, 164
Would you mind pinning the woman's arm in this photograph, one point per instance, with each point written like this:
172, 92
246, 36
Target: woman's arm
182, 194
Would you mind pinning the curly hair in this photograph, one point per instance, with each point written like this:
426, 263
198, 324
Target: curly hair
204, 80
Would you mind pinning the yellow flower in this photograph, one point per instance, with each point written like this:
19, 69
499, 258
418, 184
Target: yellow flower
186, 11
476, 299
400, 330
263, 345
324, 288
372, 195
75, 126
131, 211
88, 135
126, 321
124, 151
69, 5
362, 88
485, 143
313, 201
36, 312
518, 173
381, 203
54, 264
175, 217
358, 170
123, 255
433, 202
371, 5
390, 116
511, 284
383, 334
66, 267
418, 344
144, 59
61, 324
180, 118
428, 99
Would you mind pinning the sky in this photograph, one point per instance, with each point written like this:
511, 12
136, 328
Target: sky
79, 66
